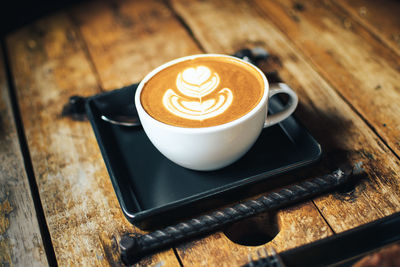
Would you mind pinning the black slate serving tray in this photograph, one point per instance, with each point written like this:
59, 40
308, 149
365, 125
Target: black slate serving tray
153, 191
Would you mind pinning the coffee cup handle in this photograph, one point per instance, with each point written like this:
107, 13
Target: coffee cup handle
288, 109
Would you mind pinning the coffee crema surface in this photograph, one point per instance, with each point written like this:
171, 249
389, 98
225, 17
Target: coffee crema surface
202, 92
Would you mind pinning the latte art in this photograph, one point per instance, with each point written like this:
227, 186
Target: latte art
197, 110
197, 83
202, 92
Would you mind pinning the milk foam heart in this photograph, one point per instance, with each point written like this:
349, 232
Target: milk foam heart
197, 75
197, 82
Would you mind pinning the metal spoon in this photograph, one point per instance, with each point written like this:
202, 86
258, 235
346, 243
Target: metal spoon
123, 114
122, 120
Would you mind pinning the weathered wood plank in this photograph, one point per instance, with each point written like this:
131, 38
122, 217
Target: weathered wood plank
21, 242
222, 26
295, 226
127, 39
49, 64
358, 65
348, 136
103, 34
380, 17
85, 221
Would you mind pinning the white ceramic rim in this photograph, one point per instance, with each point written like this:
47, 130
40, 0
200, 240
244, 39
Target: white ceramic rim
255, 110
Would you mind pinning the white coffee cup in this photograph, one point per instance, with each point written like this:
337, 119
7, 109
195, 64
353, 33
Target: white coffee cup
214, 147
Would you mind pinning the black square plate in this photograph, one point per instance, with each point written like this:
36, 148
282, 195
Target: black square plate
153, 191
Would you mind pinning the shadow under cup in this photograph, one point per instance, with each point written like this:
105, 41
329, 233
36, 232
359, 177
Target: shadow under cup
213, 147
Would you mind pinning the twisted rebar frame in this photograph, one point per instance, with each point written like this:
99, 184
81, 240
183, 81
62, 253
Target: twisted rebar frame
134, 246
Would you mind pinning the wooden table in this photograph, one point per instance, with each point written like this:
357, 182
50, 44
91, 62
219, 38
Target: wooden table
57, 204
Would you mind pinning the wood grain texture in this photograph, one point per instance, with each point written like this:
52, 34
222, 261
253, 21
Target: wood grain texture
221, 27
295, 226
119, 42
49, 64
344, 136
128, 39
21, 242
171, 33
357, 64
380, 17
